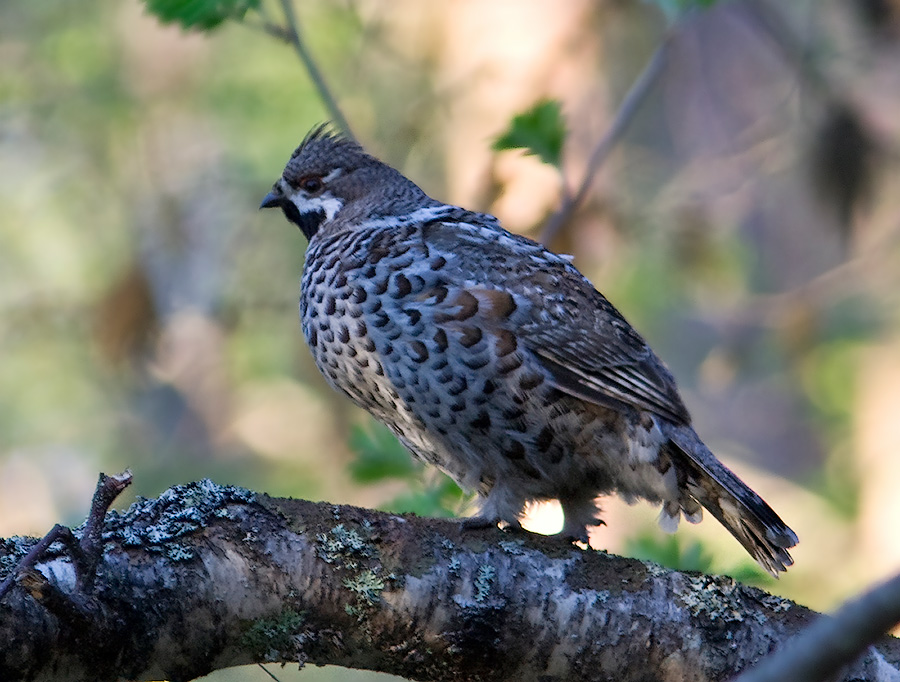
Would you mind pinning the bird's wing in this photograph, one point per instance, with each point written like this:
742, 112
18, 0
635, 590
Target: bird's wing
584, 343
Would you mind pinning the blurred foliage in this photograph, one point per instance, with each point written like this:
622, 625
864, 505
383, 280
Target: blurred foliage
379, 456
673, 551
827, 374
540, 131
675, 9
203, 15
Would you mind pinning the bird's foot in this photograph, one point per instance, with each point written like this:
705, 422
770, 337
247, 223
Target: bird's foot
579, 532
480, 522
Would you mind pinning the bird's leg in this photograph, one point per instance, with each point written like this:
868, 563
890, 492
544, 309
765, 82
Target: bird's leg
579, 513
500, 506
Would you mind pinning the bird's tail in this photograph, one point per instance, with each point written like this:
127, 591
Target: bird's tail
744, 513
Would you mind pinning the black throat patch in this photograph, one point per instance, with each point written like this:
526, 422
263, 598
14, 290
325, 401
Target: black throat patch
308, 222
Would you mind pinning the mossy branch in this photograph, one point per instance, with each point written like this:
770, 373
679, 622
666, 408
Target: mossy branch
207, 577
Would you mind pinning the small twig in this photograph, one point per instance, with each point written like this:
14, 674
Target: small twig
108, 489
867, 272
58, 533
293, 37
624, 116
268, 672
86, 553
833, 641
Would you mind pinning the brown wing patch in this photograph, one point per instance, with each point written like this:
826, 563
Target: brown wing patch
465, 305
534, 303
496, 304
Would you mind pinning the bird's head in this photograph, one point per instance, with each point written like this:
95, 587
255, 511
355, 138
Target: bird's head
331, 179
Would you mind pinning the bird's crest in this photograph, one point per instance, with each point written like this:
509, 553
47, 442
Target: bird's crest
326, 133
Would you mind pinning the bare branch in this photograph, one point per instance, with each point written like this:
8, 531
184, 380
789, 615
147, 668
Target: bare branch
623, 118
833, 641
108, 489
280, 32
294, 38
206, 577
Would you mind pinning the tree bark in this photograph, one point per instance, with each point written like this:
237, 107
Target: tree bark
207, 577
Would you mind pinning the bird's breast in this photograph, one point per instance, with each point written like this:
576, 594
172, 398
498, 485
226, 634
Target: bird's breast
351, 321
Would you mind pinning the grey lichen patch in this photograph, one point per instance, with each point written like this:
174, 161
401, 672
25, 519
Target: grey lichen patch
346, 546
655, 570
179, 511
715, 597
179, 552
11, 552
354, 552
276, 639
367, 585
772, 602
513, 547
601, 597
484, 581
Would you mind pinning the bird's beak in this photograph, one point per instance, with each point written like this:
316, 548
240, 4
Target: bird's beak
273, 199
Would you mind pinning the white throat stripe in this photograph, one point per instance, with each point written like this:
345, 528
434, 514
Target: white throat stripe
326, 203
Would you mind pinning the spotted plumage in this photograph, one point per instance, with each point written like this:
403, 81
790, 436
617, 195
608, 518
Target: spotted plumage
493, 358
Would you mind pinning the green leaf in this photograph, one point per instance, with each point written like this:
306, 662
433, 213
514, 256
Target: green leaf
379, 455
540, 131
200, 15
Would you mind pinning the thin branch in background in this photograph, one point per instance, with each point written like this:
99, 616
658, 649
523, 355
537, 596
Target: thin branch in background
292, 35
782, 35
279, 32
624, 116
267, 672
833, 641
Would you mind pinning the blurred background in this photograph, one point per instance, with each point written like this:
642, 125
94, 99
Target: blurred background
747, 223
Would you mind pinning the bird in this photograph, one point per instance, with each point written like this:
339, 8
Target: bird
495, 359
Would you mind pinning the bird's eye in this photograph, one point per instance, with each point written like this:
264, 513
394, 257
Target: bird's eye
311, 183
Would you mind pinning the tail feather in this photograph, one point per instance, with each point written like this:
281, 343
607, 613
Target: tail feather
745, 514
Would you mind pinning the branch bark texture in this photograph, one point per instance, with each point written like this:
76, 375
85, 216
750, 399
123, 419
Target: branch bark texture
206, 577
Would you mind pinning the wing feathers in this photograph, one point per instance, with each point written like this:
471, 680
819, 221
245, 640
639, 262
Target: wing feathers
580, 338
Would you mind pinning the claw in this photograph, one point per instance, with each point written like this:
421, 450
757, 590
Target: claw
480, 522
579, 533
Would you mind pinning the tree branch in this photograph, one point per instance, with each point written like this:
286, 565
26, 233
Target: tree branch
833, 641
292, 35
623, 118
206, 577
